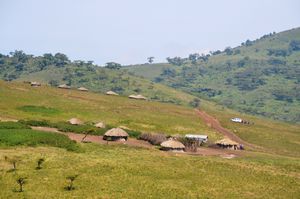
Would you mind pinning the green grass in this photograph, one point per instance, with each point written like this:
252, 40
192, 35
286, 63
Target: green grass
142, 116
107, 171
27, 137
275, 137
39, 110
13, 125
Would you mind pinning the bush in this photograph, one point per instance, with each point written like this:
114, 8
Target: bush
134, 134
155, 139
36, 123
66, 127
28, 137
13, 125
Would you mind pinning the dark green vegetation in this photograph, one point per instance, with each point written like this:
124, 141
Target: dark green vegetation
260, 77
17, 134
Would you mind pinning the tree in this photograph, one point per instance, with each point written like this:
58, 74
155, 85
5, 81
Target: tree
150, 59
19, 55
71, 179
228, 51
175, 61
194, 57
39, 163
294, 45
113, 65
13, 161
195, 103
61, 59
86, 133
21, 181
53, 83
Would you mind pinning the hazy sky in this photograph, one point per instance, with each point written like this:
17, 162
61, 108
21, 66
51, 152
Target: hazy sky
128, 31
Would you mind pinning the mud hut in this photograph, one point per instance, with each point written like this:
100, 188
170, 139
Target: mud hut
75, 121
64, 86
226, 143
138, 97
35, 84
115, 134
172, 145
100, 125
111, 93
82, 89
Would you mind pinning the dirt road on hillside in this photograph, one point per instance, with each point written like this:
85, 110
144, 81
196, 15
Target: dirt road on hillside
215, 124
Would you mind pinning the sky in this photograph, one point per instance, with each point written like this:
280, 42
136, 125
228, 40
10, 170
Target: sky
129, 31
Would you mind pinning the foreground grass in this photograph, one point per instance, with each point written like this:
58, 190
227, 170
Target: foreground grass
107, 171
28, 137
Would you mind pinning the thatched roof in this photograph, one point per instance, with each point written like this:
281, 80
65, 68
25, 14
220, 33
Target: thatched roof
100, 125
82, 89
116, 132
111, 93
64, 86
35, 84
226, 141
172, 144
75, 121
140, 97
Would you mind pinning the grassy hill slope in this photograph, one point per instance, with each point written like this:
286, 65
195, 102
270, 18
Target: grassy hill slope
260, 77
21, 101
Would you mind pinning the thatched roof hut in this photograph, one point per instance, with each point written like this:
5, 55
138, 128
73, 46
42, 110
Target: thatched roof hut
35, 84
116, 134
75, 121
139, 97
100, 125
111, 93
172, 145
82, 89
64, 86
227, 143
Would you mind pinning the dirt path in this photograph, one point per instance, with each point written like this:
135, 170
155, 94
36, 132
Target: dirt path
202, 151
215, 124
96, 138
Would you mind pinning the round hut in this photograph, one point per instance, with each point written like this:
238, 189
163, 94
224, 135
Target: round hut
138, 97
35, 84
111, 93
100, 125
75, 121
82, 89
172, 145
64, 86
116, 134
227, 143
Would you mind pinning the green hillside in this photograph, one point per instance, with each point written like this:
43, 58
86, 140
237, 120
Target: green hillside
23, 102
122, 171
259, 77
58, 69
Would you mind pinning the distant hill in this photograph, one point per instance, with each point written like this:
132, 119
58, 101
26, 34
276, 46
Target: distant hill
260, 77
58, 69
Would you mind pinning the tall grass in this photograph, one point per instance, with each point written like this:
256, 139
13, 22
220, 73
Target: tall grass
28, 137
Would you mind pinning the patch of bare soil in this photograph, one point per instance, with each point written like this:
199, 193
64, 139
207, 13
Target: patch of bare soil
215, 124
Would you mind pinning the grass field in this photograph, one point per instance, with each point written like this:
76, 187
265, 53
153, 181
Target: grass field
124, 172
119, 171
